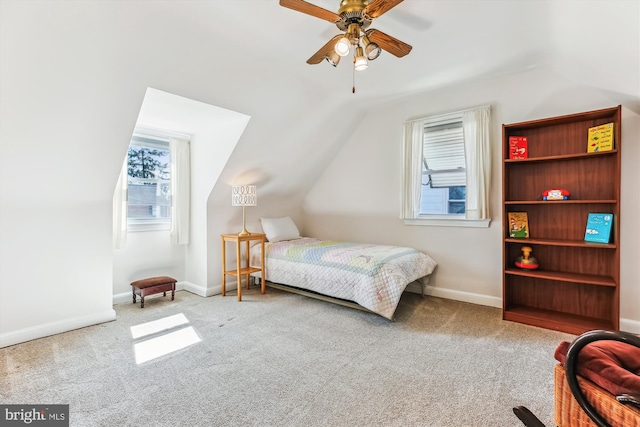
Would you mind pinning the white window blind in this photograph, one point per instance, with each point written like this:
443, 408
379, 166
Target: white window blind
444, 161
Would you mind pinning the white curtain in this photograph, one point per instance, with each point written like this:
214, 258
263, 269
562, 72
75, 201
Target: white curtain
477, 124
412, 170
180, 190
120, 196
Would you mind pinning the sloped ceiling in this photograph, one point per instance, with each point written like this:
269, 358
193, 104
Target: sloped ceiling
250, 56
263, 49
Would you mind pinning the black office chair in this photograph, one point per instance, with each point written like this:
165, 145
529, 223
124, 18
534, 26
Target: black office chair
571, 366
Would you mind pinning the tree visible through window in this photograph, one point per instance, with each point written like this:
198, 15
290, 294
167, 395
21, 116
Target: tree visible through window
148, 170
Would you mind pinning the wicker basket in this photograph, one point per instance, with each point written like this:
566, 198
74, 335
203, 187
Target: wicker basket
569, 414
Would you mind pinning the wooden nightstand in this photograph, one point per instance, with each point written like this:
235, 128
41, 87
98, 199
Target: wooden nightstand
240, 271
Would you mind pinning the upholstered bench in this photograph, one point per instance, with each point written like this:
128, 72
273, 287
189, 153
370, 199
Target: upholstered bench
153, 285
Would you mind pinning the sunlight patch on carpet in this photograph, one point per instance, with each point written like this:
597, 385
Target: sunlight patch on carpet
167, 339
165, 344
156, 326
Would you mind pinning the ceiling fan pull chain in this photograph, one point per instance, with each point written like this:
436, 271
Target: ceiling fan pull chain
353, 87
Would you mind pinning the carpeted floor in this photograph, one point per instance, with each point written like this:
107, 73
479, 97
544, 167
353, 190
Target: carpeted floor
286, 360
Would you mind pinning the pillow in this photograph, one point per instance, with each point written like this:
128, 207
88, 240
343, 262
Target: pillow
278, 229
613, 365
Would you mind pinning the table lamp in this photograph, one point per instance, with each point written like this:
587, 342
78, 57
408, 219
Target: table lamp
244, 195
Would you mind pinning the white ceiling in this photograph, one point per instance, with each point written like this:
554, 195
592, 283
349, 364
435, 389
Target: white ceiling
262, 49
249, 56
452, 41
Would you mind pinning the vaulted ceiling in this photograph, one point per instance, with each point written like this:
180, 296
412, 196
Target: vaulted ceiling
98, 58
262, 50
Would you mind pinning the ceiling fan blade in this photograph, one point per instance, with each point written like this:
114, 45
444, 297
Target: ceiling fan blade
310, 9
324, 50
378, 7
388, 43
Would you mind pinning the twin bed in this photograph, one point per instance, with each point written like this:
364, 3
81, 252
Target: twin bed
371, 276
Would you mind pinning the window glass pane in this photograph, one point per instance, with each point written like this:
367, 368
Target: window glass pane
456, 208
148, 170
457, 193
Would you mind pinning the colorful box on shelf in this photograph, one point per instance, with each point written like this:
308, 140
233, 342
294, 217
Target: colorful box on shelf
600, 138
598, 227
518, 147
518, 225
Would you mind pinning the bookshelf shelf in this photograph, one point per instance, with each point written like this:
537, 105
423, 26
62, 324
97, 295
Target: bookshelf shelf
560, 321
561, 242
558, 202
565, 277
562, 157
577, 286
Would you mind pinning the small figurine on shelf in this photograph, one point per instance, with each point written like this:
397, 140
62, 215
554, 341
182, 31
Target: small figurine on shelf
526, 261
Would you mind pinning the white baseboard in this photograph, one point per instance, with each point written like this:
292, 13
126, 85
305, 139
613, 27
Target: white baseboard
452, 294
53, 328
126, 298
630, 325
207, 292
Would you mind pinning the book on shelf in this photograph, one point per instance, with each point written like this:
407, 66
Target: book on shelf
600, 138
518, 225
598, 227
518, 147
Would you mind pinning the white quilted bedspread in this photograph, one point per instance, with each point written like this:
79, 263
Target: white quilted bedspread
374, 276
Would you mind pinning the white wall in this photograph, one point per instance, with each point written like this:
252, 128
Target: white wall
73, 79
55, 275
358, 197
214, 134
146, 254
73, 76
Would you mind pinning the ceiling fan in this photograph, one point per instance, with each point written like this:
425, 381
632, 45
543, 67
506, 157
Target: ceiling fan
353, 18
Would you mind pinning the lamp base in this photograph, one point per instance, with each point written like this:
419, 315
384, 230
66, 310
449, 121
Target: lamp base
244, 231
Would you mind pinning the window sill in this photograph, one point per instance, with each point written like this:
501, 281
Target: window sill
134, 227
448, 221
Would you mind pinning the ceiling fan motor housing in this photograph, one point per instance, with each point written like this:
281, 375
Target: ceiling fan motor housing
352, 12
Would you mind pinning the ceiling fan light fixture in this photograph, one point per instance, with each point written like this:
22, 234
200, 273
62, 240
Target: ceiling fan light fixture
359, 61
333, 58
342, 46
370, 48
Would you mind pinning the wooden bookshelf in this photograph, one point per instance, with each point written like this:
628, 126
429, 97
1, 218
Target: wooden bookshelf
577, 285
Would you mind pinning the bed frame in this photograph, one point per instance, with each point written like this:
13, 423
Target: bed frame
346, 303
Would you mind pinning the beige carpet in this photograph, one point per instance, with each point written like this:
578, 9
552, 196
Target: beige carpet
286, 360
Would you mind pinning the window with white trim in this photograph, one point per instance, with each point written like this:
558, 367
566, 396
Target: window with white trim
447, 169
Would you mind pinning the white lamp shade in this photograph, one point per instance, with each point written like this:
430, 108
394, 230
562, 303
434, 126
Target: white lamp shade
244, 195
342, 46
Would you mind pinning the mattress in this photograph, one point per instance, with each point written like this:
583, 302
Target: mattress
373, 276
